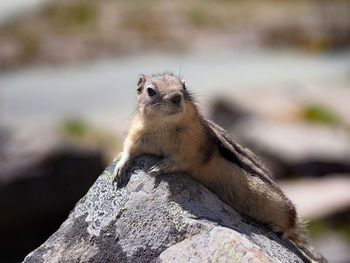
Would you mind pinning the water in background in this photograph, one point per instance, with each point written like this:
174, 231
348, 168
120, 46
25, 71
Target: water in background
104, 91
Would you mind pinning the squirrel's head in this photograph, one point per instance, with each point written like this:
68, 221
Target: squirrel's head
162, 96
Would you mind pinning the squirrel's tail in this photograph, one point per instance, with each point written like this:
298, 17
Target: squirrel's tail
301, 239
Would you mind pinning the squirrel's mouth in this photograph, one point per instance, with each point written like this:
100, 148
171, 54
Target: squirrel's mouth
172, 109
165, 108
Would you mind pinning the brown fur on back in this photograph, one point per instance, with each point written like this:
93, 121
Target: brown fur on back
176, 130
207, 153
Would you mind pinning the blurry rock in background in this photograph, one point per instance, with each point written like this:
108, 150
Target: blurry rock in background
42, 176
298, 149
227, 113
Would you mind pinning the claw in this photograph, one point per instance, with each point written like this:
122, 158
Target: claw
120, 181
154, 170
119, 175
163, 166
121, 169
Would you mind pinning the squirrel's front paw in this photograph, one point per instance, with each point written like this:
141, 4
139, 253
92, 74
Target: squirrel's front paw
120, 172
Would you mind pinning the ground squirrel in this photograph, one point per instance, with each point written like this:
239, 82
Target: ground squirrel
168, 124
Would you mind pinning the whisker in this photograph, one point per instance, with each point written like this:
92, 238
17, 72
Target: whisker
154, 105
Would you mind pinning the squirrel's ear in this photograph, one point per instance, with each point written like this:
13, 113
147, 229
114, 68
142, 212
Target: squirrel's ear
140, 83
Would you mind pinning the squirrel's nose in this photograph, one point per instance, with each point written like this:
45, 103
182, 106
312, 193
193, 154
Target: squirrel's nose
176, 98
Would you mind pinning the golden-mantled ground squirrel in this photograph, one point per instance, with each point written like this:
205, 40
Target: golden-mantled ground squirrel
168, 124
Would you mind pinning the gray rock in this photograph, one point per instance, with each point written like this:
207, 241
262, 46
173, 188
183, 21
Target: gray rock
170, 218
305, 194
296, 142
297, 148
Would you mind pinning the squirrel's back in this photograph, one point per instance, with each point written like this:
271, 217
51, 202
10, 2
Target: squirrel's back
207, 153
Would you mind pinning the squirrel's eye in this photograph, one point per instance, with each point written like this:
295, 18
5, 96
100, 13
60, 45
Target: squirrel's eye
151, 92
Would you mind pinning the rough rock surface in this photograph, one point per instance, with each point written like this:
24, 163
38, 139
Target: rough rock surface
164, 219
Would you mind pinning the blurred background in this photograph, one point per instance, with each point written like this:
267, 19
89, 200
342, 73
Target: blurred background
274, 73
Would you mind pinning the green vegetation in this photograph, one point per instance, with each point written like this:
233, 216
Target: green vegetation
74, 127
75, 13
76, 131
321, 114
108, 175
118, 157
323, 227
318, 227
198, 15
344, 229
85, 11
